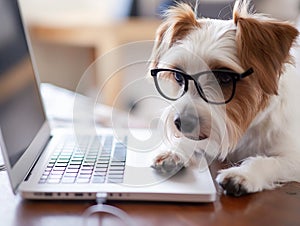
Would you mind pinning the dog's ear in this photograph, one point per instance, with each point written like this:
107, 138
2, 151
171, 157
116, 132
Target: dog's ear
263, 44
179, 22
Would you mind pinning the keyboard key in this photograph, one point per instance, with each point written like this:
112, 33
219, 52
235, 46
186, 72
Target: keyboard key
68, 180
63, 160
58, 164
92, 153
53, 181
57, 172
68, 150
89, 161
46, 173
106, 150
102, 165
83, 180
104, 158
88, 164
55, 176
117, 168
70, 175
115, 177
100, 169
72, 170
74, 160
84, 176
103, 162
65, 155
115, 180
86, 172
119, 154
117, 164
75, 163
78, 156
73, 166
121, 172
44, 177
87, 167
59, 168
105, 153
99, 173
98, 179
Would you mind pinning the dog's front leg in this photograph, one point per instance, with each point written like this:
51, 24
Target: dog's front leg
259, 173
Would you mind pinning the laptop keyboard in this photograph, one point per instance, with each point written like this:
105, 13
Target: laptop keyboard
98, 159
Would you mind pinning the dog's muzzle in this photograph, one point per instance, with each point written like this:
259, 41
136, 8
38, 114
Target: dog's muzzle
189, 125
186, 123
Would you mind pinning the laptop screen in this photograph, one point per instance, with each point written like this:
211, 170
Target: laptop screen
21, 111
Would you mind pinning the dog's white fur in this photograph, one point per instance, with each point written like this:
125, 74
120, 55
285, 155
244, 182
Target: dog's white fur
259, 127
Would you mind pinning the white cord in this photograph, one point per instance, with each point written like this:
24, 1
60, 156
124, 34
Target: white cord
103, 208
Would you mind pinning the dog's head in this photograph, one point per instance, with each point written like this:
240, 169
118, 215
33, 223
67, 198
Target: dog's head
246, 55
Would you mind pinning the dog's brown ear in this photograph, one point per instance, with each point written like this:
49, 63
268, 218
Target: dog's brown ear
179, 22
264, 45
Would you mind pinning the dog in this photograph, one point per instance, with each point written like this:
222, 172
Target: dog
234, 94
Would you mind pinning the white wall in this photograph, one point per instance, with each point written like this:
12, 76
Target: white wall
64, 65
281, 9
61, 65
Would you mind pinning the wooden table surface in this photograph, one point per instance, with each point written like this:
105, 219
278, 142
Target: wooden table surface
268, 208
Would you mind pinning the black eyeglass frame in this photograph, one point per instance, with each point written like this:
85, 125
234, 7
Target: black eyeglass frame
234, 76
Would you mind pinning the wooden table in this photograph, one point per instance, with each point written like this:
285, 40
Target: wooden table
269, 208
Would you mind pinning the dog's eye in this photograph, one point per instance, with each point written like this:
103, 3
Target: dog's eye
223, 78
179, 78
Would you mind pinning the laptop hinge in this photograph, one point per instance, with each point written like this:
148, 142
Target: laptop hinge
36, 160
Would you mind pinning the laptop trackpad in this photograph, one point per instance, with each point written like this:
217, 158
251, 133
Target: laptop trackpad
139, 173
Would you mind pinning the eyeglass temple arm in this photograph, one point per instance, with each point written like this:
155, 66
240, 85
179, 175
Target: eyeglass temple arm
246, 73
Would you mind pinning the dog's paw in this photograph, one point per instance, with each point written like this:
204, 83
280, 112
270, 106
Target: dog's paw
168, 163
234, 182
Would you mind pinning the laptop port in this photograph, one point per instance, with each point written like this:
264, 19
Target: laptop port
38, 193
78, 194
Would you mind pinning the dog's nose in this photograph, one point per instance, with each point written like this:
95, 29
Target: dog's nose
185, 123
177, 122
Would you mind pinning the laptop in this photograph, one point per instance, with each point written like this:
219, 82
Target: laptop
74, 164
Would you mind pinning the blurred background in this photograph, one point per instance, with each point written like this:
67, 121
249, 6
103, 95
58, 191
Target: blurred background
69, 35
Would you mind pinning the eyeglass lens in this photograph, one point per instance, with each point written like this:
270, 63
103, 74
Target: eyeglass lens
171, 84
214, 87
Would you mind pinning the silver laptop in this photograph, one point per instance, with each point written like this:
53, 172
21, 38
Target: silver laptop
63, 164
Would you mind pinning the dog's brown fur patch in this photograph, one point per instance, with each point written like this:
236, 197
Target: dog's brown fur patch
263, 45
180, 21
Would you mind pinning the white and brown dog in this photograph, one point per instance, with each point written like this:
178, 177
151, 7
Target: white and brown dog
232, 85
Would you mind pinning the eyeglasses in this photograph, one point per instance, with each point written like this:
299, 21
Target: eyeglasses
215, 86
